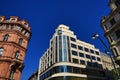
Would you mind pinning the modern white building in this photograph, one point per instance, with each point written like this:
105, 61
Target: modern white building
68, 58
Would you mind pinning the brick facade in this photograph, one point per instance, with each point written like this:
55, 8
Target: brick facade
14, 37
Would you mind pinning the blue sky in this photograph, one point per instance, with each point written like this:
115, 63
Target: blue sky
82, 16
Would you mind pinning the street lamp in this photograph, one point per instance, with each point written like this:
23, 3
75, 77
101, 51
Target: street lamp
96, 36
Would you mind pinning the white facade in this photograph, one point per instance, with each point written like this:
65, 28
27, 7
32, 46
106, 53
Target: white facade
67, 51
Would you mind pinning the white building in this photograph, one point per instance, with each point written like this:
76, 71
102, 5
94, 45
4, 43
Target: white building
68, 58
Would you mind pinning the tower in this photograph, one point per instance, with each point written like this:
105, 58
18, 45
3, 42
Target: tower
14, 37
111, 27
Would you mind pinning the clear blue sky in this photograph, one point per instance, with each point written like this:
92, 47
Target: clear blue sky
82, 16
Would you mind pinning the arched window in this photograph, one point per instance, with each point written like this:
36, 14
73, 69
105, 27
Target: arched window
6, 37
20, 41
11, 75
1, 51
17, 54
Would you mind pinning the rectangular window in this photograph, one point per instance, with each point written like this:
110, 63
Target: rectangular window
73, 45
117, 33
98, 59
93, 58
72, 39
82, 62
68, 44
110, 38
91, 51
86, 49
65, 48
81, 54
117, 2
112, 21
55, 50
80, 47
74, 53
89, 63
88, 56
97, 53
115, 50
75, 60
60, 48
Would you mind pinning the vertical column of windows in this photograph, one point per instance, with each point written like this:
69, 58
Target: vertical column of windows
56, 47
68, 44
65, 48
60, 48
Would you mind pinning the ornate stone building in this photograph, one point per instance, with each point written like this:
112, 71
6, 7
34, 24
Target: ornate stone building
111, 26
14, 37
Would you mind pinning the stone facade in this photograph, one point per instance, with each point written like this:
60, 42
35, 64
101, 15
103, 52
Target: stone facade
111, 27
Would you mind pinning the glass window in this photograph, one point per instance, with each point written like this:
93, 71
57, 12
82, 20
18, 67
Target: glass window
20, 41
91, 51
74, 53
117, 33
86, 49
72, 39
81, 54
93, 57
11, 75
80, 47
97, 53
1, 51
65, 48
112, 21
82, 62
117, 2
75, 60
89, 63
59, 32
98, 59
88, 56
73, 45
60, 48
6, 37
17, 54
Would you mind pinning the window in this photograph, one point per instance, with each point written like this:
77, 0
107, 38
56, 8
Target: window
75, 60
81, 54
117, 33
98, 59
80, 47
82, 62
20, 41
93, 57
86, 49
60, 48
59, 32
73, 45
6, 37
117, 2
1, 51
72, 39
65, 48
11, 75
17, 54
97, 53
91, 51
88, 56
89, 63
74, 53
112, 21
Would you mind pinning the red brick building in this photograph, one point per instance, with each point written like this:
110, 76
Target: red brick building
14, 37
